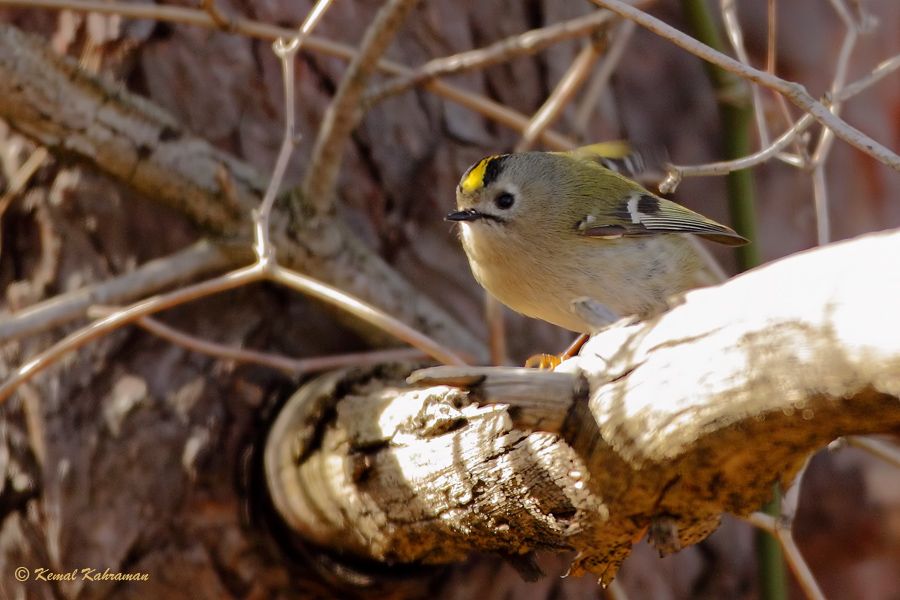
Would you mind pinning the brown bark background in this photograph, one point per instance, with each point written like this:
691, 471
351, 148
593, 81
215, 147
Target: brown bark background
136, 455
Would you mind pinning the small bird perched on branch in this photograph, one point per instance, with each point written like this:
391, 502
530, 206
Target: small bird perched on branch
546, 232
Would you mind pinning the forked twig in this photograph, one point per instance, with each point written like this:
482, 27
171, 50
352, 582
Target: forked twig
677, 172
198, 259
295, 366
793, 91
265, 268
256, 272
116, 320
366, 312
522, 44
792, 554
501, 114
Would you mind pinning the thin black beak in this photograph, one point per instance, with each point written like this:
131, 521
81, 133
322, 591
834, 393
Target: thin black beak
464, 215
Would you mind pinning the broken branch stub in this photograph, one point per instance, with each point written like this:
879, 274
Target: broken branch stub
659, 426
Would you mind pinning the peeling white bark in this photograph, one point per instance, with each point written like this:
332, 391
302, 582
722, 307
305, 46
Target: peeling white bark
662, 425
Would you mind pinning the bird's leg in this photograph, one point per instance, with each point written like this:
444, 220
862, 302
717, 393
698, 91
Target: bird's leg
548, 362
595, 314
575, 347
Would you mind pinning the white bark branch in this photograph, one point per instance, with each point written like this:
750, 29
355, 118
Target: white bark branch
658, 427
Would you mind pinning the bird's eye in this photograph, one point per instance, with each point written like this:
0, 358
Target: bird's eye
504, 200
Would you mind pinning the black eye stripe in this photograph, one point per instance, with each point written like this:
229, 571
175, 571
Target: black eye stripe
493, 169
504, 200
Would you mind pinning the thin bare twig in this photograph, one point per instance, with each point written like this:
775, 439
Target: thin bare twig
522, 44
771, 36
366, 312
294, 366
826, 138
20, 178
820, 204
199, 259
883, 450
676, 172
221, 20
792, 554
285, 51
190, 16
344, 112
771, 60
108, 324
728, 9
256, 272
884, 68
793, 91
562, 94
594, 92
840, 77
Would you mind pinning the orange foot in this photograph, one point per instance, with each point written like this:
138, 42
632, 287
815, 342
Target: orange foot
547, 362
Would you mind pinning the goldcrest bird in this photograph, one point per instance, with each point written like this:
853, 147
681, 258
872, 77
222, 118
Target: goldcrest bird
545, 231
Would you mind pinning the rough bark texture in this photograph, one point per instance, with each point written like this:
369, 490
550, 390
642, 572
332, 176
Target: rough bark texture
668, 424
133, 455
134, 141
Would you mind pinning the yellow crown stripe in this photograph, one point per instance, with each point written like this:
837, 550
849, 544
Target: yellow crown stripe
475, 179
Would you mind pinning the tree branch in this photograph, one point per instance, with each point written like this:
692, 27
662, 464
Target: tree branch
345, 110
660, 426
199, 259
256, 29
73, 113
793, 91
522, 44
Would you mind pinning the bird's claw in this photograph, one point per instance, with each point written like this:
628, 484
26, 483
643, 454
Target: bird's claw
545, 362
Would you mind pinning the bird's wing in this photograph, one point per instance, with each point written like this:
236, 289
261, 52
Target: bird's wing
644, 162
641, 213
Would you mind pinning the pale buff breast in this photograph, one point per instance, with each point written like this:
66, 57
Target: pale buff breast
630, 277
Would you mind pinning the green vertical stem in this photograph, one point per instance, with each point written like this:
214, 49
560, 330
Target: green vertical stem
736, 111
737, 122
772, 574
